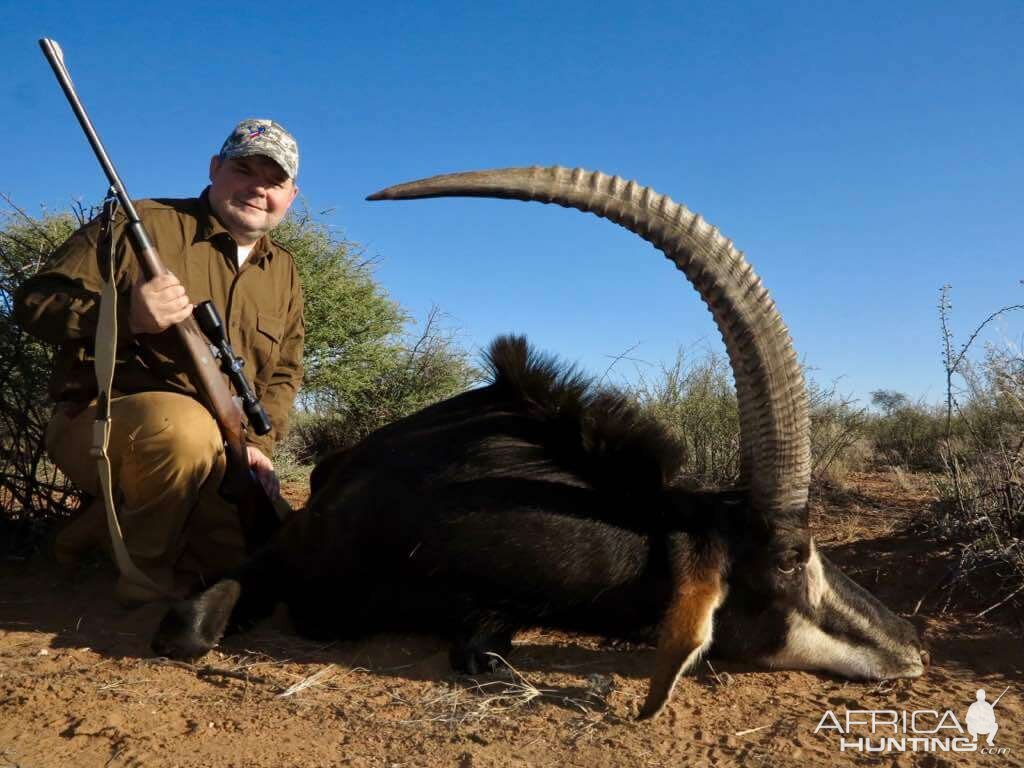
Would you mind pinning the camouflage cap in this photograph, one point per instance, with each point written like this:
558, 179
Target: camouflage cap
263, 137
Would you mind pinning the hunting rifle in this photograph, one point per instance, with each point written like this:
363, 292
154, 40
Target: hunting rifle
258, 515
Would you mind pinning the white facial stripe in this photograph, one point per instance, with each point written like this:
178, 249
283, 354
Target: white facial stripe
817, 586
855, 619
808, 647
833, 601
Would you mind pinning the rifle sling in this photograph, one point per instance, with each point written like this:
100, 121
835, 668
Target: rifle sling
106, 358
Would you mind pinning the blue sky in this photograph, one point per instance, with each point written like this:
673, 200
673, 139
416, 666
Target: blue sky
861, 154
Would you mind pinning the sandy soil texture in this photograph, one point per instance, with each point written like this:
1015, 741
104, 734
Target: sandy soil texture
79, 687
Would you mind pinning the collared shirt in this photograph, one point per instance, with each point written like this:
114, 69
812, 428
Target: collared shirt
260, 302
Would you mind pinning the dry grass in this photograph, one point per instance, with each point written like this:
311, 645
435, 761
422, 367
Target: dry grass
317, 678
453, 702
458, 705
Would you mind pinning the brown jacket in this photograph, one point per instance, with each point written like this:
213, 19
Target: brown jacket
261, 305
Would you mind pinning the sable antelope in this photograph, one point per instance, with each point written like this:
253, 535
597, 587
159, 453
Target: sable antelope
541, 500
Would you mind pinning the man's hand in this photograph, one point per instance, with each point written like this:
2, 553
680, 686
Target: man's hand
157, 304
263, 468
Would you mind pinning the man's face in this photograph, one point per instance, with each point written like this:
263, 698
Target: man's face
250, 195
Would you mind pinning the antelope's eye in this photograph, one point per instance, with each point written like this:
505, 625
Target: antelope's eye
791, 563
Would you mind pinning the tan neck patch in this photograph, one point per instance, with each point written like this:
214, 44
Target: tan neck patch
686, 631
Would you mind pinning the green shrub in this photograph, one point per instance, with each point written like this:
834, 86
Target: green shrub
351, 323
32, 490
905, 433
420, 371
982, 490
363, 367
838, 435
696, 402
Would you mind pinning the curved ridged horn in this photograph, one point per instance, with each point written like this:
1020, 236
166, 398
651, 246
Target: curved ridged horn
774, 424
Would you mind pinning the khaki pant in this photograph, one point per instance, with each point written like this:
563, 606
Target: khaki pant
167, 463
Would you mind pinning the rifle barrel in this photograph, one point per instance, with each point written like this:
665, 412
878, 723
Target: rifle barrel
54, 55
1000, 696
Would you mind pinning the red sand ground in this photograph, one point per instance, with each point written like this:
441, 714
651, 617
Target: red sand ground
78, 686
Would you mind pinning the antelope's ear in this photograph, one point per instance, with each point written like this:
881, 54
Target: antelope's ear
685, 631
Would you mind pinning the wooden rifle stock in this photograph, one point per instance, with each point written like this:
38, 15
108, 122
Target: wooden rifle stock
258, 515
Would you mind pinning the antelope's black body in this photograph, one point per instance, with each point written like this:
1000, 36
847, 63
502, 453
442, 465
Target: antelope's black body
541, 500
536, 500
